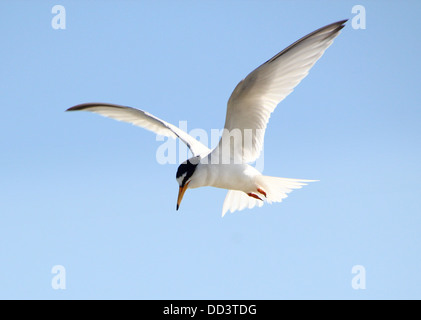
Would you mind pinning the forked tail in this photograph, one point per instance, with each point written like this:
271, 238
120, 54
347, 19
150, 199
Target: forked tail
276, 190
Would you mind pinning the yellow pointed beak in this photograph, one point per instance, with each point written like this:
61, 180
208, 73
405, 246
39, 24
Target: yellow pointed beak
181, 193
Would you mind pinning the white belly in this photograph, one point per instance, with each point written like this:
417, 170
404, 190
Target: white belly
229, 176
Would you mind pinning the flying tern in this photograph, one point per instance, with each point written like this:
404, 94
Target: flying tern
253, 100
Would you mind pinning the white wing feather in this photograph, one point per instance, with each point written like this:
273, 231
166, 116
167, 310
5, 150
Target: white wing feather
145, 120
256, 97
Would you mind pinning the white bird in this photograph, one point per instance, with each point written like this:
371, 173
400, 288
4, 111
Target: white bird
248, 112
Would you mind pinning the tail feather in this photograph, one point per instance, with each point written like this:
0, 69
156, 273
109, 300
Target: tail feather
237, 201
276, 190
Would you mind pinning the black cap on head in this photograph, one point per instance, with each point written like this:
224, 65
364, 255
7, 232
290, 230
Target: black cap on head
186, 170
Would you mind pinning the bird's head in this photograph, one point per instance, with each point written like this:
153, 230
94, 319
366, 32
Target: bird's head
185, 174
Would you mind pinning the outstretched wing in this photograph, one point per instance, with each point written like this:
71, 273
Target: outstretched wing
145, 120
256, 97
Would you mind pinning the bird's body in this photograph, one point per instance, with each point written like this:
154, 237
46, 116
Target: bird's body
248, 112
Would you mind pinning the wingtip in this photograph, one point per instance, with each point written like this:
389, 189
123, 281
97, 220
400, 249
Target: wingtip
342, 23
339, 25
70, 109
79, 107
86, 106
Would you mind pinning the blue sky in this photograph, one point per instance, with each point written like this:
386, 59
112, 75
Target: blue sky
86, 193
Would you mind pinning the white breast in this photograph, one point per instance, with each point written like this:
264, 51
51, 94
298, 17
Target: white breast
225, 176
